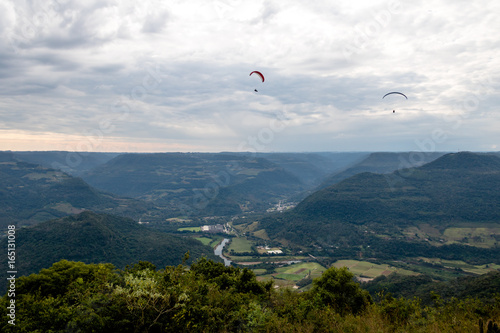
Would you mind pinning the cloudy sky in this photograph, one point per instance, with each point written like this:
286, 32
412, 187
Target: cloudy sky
119, 75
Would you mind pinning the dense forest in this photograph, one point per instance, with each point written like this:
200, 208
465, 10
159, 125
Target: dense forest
453, 189
98, 238
210, 297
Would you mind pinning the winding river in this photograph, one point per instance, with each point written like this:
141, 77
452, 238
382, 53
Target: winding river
218, 252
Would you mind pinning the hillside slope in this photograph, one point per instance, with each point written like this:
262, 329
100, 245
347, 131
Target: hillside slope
382, 162
73, 163
206, 183
95, 238
454, 190
30, 193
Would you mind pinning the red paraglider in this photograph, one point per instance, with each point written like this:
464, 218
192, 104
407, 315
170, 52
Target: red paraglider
259, 74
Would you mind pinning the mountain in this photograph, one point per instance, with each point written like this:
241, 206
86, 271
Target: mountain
212, 184
382, 162
456, 190
95, 238
312, 168
73, 163
30, 193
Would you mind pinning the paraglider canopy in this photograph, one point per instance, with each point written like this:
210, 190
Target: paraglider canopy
259, 74
395, 92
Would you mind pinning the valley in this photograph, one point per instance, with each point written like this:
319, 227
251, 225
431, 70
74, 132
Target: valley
288, 217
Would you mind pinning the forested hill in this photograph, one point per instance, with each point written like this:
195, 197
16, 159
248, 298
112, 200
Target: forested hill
456, 188
312, 168
214, 183
73, 163
96, 238
382, 162
30, 193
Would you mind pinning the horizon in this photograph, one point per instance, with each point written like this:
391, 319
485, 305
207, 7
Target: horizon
256, 152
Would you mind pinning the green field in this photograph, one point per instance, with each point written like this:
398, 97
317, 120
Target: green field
475, 269
263, 259
210, 241
480, 237
261, 234
290, 274
205, 240
296, 272
239, 245
194, 229
370, 270
481, 234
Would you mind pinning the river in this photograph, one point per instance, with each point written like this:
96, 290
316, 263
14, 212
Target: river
218, 252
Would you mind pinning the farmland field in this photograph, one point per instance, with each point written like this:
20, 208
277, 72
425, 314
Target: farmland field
475, 269
370, 270
210, 241
194, 229
239, 245
296, 272
290, 274
205, 240
481, 237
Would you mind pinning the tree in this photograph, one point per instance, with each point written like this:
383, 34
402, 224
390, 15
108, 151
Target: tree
337, 288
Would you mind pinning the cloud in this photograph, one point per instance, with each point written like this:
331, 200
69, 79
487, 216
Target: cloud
177, 72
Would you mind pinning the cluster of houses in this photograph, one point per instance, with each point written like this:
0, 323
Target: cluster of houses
268, 250
215, 228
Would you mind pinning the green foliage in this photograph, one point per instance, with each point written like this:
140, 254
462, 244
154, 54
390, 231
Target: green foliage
485, 287
399, 311
93, 238
337, 288
209, 297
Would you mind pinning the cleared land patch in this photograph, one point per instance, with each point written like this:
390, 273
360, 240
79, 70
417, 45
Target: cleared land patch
298, 271
239, 245
194, 229
475, 269
480, 237
371, 270
205, 240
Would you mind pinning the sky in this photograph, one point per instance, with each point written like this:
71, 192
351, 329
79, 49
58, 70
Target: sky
165, 76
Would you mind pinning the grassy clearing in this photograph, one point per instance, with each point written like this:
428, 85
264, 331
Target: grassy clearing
210, 241
479, 236
251, 227
66, 208
250, 172
475, 269
194, 229
259, 271
288, 275
205, 240
296, 272
370, 270
261, 234
239, 245
178, 220
277, 282
265, 259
